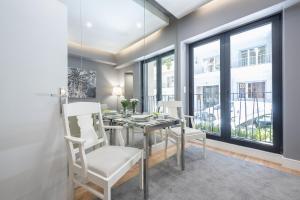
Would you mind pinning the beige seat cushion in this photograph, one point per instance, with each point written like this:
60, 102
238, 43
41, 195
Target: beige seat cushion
106, 160
188, 131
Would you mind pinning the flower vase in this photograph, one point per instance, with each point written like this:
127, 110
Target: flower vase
124, 112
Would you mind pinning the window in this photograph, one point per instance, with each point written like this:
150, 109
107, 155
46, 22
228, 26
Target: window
206, 86
256, 90
244, 58
158, 80
242, 90
252, 53
235, 87
150, 90
262, 55
253, 56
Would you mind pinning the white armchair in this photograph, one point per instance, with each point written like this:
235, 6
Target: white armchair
173, 108
103, 166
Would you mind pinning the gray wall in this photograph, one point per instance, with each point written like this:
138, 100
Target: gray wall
212, 15
33, 64
128, 85
107, 78
157, 41
135, 68
291, 82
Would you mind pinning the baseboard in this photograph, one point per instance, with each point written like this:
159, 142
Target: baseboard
291, 163
264, 155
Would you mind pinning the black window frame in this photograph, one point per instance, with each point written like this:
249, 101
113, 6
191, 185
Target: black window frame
225, 87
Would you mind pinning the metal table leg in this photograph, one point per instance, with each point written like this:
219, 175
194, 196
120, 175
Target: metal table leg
150, 144
182, 145
146, 157
127, 135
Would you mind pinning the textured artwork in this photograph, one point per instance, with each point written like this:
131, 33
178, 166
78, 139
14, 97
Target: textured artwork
81, 83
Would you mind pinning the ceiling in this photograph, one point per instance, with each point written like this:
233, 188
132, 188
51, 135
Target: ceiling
180, 8
112, 25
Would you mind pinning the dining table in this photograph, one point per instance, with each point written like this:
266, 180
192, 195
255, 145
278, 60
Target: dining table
149, 127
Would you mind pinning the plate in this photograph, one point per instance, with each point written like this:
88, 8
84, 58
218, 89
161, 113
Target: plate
141, 118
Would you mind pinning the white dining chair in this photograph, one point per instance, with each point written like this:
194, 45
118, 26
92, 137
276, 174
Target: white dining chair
174, 109
104, 165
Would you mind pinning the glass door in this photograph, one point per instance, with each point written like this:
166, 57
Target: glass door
150, 89
168, 78
251, 85
235, 85
158, 80
206, 86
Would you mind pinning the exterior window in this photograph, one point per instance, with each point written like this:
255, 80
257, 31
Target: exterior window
251, 90
252, 53
262, 55
244, 58
253, 56
242, 90
256, 90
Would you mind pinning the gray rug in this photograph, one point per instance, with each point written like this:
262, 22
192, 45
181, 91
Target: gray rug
217, 177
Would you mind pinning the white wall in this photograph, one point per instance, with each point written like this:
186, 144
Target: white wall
33, 64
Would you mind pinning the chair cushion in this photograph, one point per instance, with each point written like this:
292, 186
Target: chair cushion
106, 160
188, 131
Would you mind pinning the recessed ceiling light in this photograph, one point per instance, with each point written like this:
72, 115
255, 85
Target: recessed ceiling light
89, 24
139, 25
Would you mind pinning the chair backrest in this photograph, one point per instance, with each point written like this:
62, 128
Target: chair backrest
86, 112
173, 108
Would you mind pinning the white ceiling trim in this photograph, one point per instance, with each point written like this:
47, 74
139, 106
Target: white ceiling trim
181, 8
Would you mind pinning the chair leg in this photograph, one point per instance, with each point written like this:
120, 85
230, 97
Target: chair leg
141, 171
166, 145
204, 148
178, 151
107, 193
71, 185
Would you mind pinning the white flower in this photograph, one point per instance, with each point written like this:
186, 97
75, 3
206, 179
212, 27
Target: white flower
134, 100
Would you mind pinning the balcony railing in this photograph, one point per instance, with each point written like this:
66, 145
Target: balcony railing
251, 118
